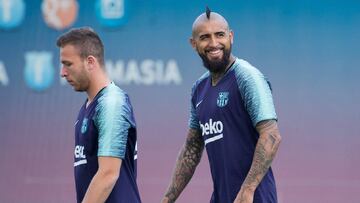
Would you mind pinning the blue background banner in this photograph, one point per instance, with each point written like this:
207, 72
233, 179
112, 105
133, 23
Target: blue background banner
309, 50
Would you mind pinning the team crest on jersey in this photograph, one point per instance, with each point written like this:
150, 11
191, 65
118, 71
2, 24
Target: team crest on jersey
84, 125
222, 99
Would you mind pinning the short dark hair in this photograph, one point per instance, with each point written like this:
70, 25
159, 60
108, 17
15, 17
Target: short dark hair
86, 40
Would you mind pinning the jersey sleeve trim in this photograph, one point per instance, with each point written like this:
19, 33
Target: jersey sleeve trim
255, 91
113, 120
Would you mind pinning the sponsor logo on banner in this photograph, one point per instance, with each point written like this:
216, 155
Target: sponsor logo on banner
111, 13
222, 99
59, 14
39, 70
12, 13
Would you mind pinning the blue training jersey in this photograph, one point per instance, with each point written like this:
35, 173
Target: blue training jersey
106, 127
226, 115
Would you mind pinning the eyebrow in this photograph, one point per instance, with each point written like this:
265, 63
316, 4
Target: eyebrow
65, 62
204, 35
207, 34
219, 32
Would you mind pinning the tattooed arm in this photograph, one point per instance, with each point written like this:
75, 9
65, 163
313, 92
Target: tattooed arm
266, 148
186, 163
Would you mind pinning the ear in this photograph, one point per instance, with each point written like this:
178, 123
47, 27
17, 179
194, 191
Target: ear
193, 43
231, 35
91, 62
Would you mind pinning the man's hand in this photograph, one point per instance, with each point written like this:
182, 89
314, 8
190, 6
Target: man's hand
244, 196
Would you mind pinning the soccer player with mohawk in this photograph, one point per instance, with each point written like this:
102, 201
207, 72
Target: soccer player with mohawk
233, 116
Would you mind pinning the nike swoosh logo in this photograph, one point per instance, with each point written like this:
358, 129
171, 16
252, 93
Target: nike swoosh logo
198, 103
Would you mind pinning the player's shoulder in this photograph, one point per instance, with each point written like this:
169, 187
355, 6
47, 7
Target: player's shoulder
112, 88
243, 68
113, 91
112, 95
201, 79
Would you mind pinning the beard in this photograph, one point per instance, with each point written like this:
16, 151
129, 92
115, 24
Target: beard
81, 81
82, 84
80, 88
216, 66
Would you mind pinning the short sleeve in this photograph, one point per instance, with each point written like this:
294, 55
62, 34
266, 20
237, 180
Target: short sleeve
112, 120
193, 120
256, 92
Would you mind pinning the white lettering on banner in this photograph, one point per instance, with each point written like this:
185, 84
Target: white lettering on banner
4, 80
212, 128
79, 152
146, 72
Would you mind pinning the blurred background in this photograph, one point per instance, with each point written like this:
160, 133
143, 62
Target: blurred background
309, 50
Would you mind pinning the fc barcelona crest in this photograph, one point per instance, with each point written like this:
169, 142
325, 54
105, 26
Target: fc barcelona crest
222, 99
84, 125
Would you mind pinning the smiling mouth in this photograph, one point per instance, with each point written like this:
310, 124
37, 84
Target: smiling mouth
214, 52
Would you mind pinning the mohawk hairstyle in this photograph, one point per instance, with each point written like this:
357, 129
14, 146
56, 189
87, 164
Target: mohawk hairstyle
208, 11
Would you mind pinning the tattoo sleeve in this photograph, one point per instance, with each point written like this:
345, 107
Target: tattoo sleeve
265, 151
186, 163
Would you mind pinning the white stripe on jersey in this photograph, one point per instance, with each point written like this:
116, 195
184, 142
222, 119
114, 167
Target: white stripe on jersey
81, 162
212, 139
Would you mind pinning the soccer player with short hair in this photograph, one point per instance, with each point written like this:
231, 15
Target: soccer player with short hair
105, 130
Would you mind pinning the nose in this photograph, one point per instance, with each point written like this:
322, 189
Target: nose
63, 72
213, 42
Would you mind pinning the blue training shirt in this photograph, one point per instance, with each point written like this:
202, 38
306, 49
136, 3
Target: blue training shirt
107, 128
226, 115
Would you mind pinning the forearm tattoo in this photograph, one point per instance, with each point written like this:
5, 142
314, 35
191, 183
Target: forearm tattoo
186, 163
265, 151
